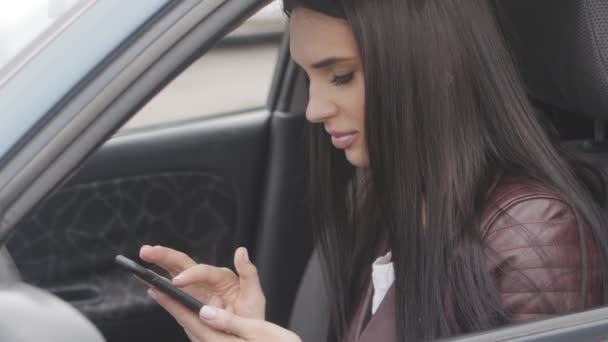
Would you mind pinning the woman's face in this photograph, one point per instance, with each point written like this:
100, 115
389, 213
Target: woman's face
325, 48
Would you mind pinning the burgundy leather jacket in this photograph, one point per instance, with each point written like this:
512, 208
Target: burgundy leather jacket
533, 251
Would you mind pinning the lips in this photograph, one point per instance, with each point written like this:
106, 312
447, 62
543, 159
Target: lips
342, 140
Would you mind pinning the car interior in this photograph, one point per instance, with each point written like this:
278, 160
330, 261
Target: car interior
205, 186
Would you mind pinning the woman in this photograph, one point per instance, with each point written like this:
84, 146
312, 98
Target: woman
446, 168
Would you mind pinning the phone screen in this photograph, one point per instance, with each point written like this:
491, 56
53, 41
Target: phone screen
159, 283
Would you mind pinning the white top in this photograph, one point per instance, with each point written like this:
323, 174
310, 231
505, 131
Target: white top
383, 276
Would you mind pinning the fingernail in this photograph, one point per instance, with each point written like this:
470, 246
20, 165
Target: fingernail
245, 255
146, 247
207, 313
152, 294
178, 277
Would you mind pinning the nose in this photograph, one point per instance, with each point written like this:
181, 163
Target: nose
319, 109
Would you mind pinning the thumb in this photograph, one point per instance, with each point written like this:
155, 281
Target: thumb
249, 281
223, 320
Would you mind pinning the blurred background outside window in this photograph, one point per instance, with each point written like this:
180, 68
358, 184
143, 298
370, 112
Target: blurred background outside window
234, 76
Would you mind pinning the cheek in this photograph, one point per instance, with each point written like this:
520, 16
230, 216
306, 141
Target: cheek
360, 101
359, 108
354, 107
363, 159
355, 103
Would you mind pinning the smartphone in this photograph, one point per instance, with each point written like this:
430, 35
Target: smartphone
159, 283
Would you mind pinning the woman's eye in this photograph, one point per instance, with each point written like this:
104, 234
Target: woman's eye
343, 79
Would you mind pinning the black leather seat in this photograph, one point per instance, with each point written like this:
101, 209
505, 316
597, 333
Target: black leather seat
562, 50
561, 47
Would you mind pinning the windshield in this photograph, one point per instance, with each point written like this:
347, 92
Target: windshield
53, 46
23, 22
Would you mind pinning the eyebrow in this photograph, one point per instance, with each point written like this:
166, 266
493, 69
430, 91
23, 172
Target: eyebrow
329, 61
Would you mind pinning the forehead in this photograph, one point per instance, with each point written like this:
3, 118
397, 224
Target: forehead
314, 36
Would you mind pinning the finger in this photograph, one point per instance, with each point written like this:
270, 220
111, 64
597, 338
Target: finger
217, 302
188, 319
169, 259
249, 281
202, 273
191, 336
218, 319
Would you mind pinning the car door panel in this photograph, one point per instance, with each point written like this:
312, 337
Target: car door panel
190, 186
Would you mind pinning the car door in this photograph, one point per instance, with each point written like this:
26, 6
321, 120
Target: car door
203, 182
75, 190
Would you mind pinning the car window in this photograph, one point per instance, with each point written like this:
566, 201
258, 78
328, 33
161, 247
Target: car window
234, 76
22, 22
58, 45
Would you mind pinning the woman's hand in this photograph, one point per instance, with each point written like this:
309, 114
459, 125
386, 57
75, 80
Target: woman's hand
219, 287
217, 325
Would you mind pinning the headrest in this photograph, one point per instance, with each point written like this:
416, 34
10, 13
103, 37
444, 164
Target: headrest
561, 47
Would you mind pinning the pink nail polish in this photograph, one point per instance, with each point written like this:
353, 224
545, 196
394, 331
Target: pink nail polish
208, 313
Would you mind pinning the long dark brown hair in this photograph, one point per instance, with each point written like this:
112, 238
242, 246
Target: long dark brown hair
446, 116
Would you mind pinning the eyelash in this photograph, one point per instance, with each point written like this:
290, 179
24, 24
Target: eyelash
338, 79
343, 79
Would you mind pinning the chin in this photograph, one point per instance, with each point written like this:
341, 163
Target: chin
357, 158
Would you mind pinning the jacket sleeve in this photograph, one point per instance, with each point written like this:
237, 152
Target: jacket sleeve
535, 255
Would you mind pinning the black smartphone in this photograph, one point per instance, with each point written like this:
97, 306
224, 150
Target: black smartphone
159, 283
